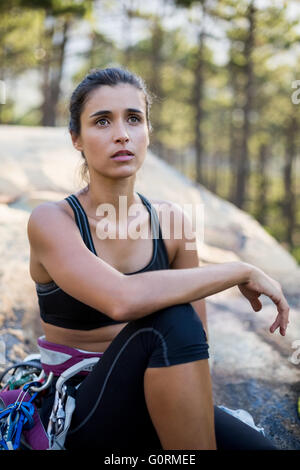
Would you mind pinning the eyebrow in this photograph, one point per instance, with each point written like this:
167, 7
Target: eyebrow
108, 112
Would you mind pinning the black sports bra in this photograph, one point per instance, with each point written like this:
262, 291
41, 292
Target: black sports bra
61, 309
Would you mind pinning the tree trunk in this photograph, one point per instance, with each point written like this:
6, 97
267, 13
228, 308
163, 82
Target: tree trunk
263, 182
233, 144
243, 160
155, 82
198, 101
46, 88
127, 15
52, 73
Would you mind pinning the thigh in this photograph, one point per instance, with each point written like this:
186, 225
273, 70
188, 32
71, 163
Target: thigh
111, 411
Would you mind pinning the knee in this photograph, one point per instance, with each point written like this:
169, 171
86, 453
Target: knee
180, 318
184, 338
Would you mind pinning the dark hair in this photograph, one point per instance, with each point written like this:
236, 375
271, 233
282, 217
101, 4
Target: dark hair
96, 78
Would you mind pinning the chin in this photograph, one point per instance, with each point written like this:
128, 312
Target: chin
124, 173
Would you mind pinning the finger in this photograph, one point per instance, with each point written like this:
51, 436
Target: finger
256, 304
280, 322
254, 301
282, 331
283, 311
275, 325
283, 327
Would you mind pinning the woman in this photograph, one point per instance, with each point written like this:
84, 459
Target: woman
138, 301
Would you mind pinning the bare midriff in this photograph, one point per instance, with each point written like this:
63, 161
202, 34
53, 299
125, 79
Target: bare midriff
96, 340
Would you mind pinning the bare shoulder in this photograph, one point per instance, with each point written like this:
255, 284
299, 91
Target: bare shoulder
48, 208
45, 210
48, 217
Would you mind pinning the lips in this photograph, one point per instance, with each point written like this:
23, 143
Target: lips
122, 153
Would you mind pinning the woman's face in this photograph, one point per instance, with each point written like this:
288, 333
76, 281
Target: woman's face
113, 119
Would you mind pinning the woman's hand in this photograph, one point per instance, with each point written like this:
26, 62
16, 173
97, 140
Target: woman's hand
260, 283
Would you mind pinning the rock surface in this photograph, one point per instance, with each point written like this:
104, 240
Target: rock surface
251, 368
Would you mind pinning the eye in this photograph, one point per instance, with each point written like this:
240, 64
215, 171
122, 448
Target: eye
137, 118
102, 121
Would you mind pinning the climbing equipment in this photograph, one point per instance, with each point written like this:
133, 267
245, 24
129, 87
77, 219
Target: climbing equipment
18, 392
14, 418
22, 387
64, 404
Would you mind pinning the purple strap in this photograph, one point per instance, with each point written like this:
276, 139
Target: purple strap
57, 358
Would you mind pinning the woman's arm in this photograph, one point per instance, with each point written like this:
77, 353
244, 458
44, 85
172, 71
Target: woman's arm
60, 249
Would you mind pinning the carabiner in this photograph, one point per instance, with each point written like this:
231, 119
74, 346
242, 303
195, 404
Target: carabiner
45, 385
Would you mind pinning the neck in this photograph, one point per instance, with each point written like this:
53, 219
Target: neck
118, 193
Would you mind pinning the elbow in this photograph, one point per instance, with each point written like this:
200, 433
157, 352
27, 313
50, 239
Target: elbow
118, 313
129, 301
120, 310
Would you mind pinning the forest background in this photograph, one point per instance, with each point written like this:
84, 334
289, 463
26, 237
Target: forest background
224, 75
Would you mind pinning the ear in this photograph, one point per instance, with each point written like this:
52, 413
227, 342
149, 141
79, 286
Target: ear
76, 140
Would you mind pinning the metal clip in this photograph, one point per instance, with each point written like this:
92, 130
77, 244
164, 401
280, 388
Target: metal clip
60, 415
45, 385
51, 430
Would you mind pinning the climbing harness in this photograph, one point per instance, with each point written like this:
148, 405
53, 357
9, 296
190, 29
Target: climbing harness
64, 404
22, 386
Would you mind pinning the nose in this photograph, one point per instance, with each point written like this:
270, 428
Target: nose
121, 134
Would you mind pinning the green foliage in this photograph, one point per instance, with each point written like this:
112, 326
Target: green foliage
19, 34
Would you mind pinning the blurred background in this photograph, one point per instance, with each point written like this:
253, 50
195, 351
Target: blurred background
225, 112
225, 80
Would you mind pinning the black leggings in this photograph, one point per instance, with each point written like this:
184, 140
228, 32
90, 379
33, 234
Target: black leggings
111, 411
